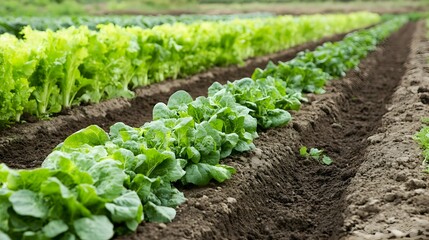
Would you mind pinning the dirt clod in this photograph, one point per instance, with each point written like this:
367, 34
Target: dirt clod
415, 184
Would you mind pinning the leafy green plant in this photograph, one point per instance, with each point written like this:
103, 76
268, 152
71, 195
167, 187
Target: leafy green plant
425, 120
217, 126
296, 75
266, 98
16, 66
315, 154
422, 137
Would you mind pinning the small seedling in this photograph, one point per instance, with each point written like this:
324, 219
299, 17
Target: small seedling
315, 154
425, 120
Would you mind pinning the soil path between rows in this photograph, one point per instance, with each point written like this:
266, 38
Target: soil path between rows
277, 194
27, 145
389, 198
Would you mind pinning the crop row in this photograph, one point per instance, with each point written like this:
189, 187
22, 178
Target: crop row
97, 184
14, 25
48, 71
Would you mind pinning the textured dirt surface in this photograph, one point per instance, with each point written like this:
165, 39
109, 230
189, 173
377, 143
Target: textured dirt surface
373, 190
277, 194
26, 145
388, 198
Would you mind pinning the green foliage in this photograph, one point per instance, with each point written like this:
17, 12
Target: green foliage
86, 7
422, 137
208, 129
412, 16
17, 63
425, 120
267, 98
354, 47
296, 75
55, 70
40, 7
62, 202
310, 70
315, 154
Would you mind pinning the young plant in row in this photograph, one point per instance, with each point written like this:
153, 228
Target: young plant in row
315, 154
221, 125
422, 137
267, 98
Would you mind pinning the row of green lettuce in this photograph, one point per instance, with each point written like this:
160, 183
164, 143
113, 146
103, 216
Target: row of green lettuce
97, 184
48, 71
422, 137
14, 25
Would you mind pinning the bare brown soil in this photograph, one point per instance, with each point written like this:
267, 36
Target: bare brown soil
389, 197
373, 190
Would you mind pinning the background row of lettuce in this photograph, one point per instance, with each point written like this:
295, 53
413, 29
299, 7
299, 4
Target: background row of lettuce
48, 71
95, 184
14, 25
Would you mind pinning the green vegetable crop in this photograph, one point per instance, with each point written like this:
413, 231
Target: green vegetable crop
422, 137
315, 154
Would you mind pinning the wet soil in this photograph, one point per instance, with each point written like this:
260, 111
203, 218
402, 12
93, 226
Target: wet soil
26, 145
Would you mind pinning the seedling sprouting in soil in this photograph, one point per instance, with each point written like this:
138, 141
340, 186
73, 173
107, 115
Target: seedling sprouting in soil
422, 137
425, 120
315, 154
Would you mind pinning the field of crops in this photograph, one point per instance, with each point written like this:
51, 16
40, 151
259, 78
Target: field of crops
246, 126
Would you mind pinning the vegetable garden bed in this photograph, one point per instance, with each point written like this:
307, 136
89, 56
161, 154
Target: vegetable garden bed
277, 194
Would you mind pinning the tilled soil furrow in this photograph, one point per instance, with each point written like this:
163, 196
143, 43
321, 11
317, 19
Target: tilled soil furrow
277, 194
344, 131
388, 197
26, 145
